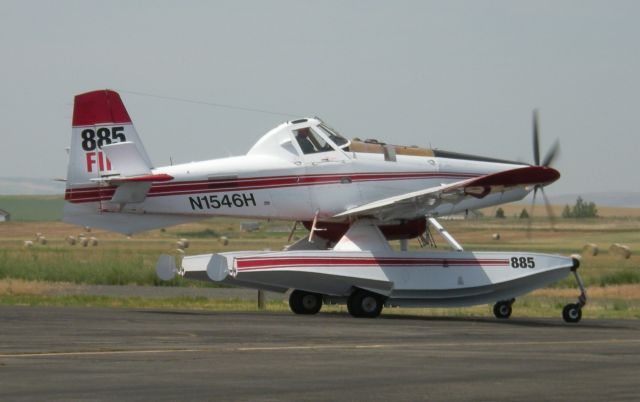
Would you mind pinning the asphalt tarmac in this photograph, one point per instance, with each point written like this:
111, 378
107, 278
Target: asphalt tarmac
92, 354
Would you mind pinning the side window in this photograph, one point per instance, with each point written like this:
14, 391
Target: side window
310, 142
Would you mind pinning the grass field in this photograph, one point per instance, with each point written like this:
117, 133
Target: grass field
32, 208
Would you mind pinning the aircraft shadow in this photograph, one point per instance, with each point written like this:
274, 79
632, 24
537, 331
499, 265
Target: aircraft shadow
512, 322
523, 321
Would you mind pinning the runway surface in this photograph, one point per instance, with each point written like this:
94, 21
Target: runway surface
115, 354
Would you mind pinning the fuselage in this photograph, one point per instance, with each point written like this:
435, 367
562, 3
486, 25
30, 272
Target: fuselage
277, 179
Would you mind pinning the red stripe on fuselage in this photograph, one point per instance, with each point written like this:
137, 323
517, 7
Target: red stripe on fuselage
92, 194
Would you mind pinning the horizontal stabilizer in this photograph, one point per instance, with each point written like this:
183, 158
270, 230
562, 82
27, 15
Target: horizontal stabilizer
141, 179
127, 193
132, 174
126, 159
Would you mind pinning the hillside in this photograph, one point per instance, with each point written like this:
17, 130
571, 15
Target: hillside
33, 207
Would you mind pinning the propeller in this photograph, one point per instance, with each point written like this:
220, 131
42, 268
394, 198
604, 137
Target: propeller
549, 158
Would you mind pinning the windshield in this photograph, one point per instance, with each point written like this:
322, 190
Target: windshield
310, 142
333, 135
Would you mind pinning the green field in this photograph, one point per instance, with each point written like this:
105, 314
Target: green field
32, 208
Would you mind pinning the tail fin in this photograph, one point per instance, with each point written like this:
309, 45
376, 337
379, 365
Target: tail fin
99, 119
106, 162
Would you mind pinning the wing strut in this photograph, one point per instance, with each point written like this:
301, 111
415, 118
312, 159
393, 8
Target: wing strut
314, 228
445, 235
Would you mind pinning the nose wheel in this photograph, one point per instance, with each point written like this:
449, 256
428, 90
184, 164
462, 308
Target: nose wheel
572, 312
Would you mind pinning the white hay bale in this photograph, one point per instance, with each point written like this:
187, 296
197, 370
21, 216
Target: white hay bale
495, 236
87, 228
93, 241
185, 242
38, 235
28, 243
620, 250
576, 256
84, 242
224, 240
591, 249
42, 240
180, 244
71, 240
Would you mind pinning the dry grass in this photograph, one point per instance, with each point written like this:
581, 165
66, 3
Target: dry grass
22, 287
624, 292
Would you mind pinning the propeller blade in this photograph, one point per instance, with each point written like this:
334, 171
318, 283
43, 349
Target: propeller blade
552, 154
536, 140
533, 206
548, 160
550, 213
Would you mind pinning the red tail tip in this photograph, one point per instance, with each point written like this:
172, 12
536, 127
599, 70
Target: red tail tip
99, 107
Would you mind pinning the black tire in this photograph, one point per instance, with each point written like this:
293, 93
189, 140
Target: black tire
302, 302
502, 309
364, 304
572, 313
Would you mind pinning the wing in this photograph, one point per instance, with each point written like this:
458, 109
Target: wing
422, 202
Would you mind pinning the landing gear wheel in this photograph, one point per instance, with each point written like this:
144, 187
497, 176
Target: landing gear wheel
572, 313
364, 304
502, 309
302, 302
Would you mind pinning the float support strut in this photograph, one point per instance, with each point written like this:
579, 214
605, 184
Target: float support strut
443, 232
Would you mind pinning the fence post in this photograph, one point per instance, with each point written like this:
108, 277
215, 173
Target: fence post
261, 304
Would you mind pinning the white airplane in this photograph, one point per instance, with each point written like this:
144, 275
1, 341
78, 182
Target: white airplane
353, 196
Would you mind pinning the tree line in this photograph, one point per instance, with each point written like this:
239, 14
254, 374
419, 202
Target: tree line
581, 209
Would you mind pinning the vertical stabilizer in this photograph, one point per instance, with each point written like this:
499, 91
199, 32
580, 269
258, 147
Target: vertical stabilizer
99, 119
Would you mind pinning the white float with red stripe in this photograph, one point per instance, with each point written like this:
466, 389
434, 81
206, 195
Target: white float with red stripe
406, 278
364, 260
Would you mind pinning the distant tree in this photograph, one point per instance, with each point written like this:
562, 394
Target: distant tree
580, 210
524, 214
500, 213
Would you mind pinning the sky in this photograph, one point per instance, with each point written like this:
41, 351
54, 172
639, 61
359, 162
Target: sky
457, 75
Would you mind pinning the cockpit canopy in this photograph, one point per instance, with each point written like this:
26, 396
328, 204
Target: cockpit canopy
311, 141
294, 139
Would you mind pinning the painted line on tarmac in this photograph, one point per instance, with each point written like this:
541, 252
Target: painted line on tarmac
317, 347
439, 345
101, 352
